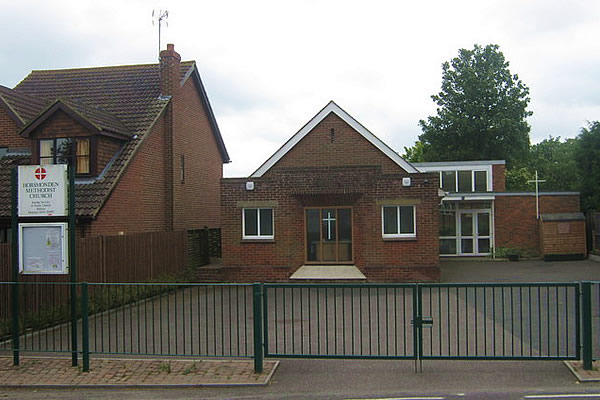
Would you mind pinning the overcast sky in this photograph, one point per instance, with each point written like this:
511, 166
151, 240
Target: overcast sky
270, 66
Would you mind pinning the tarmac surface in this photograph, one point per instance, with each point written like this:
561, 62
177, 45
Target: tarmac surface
471, 270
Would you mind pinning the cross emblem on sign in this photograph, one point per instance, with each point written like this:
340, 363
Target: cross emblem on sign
329, 220
40, 173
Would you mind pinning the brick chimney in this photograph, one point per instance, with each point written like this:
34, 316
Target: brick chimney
169, 71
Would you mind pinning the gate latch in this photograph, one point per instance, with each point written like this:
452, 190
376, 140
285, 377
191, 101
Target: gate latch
419, 322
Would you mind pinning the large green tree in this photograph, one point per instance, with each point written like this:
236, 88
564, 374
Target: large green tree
554, 160
482, 110
587, 157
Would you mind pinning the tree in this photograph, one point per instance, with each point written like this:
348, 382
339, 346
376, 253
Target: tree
587, 157
414, 153
482, 111
554, 160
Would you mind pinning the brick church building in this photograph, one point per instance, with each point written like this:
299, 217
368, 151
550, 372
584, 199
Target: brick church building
335, 202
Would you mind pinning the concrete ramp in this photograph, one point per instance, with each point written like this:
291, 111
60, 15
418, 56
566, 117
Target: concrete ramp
328, 272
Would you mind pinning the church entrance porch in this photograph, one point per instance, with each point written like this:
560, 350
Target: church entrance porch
328, 235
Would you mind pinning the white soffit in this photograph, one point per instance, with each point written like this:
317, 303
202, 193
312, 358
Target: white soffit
334, 108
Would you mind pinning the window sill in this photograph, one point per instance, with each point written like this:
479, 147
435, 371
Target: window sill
257, 241
400, 239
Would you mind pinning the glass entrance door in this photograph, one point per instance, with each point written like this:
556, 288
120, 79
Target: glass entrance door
475, 232
329, 235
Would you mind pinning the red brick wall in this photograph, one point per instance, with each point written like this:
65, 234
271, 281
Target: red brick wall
498, 178
516, 224
364, 189
318, 150
137, 203
555, 242
9, 136
197, 199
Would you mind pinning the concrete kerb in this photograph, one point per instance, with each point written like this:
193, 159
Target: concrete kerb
582, 375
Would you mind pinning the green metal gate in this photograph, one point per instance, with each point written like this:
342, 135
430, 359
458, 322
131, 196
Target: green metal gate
528, 321
339, 321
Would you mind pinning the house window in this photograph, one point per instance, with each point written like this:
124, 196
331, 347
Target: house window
398, 221
62, 150
257, 223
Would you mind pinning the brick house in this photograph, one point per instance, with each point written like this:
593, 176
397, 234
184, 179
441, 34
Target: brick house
143, 138
335, 202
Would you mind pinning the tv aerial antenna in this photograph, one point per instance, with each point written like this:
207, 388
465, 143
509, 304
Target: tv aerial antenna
158, 17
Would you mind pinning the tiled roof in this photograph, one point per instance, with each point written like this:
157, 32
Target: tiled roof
23, 106
122, 99
130, 92
7, 163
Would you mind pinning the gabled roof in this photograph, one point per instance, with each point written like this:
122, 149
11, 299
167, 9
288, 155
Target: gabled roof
20, 107
332, 107
122, 101
95, 119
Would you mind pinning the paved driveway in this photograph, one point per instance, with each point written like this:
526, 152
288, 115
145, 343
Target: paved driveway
520, 271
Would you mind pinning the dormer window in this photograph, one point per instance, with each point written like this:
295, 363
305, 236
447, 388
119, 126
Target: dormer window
62, 150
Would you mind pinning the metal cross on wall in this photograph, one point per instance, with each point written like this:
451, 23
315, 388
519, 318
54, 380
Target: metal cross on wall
537, 193
329, 220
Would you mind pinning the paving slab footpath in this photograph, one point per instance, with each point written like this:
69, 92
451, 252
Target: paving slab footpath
58, 372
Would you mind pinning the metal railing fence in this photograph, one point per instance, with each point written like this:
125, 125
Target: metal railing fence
545, 321
44, 320
208, 320
171, 319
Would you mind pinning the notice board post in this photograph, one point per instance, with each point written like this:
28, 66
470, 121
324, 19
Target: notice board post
72, 268
43, 233
14, 290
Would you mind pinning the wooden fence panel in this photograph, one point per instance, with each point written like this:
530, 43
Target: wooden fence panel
128, 258
169, 253
90, 260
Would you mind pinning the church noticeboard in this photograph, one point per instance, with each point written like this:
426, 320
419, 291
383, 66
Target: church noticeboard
42, 190
43, 248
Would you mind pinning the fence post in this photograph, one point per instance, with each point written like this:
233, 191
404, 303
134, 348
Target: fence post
14, 290
586, 320
85, 327
257, 308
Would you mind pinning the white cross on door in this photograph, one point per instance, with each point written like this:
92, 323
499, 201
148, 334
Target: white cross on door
329, 220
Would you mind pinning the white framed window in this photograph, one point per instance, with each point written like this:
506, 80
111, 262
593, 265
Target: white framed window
463, 180
63, 150
398, 221
257, 223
